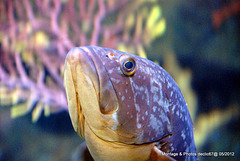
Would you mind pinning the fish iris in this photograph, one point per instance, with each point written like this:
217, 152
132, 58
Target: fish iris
128, 66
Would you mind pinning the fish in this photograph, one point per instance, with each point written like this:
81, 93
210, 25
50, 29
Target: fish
126, 107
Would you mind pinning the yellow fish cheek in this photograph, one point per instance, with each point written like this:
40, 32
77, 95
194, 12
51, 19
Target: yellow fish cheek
102, 150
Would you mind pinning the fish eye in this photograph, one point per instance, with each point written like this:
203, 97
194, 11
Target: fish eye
128, 65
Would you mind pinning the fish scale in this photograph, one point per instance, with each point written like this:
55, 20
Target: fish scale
145, 108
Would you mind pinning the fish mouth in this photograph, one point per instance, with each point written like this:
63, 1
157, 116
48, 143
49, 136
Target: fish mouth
79, 67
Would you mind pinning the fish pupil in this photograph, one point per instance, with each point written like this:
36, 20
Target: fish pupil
128, 65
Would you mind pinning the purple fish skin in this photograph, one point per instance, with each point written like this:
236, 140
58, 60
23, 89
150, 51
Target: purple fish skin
150, 107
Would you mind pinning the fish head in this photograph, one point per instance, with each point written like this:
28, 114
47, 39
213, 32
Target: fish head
112, 92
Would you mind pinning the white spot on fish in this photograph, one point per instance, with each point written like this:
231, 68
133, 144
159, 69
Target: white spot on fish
177, 113
123, 98
139, 126
154, 108
171, 93
110, 70
183, 134
126, 90
137, 107
173, 108
146, 113
147, 94
163, 74
169, 84
115, 80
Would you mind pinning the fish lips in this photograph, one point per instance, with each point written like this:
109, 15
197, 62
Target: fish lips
79, 71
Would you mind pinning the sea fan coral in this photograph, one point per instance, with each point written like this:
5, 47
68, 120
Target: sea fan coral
36, 35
